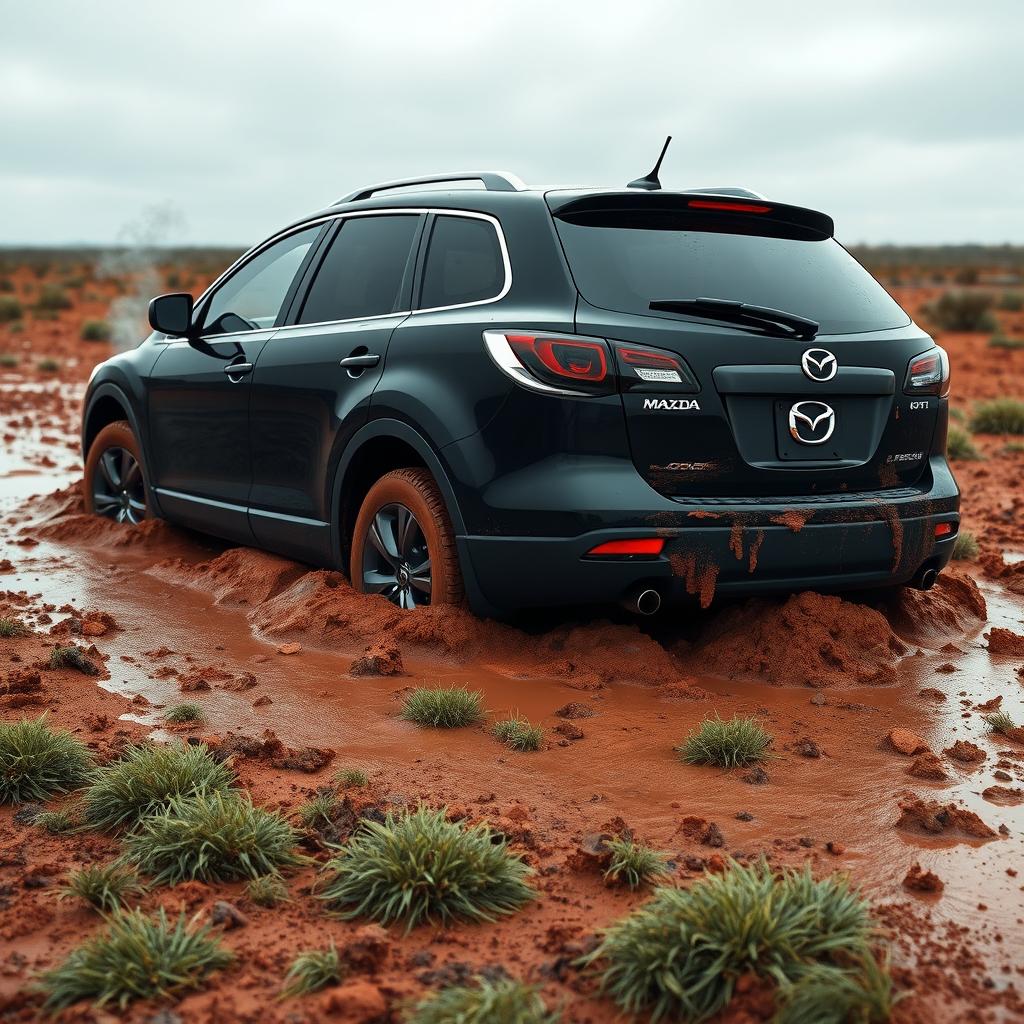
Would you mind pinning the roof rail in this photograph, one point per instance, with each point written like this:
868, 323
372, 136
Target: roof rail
493, 181
728, 190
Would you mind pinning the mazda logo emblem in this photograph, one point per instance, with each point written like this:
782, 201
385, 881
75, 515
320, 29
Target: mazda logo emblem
808, 420
819, 364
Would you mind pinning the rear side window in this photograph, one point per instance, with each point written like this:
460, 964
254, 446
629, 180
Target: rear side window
464, 263
625, 268
362, 273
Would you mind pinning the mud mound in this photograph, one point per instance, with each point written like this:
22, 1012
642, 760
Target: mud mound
92, 531
953, 607
807, 640
240, 576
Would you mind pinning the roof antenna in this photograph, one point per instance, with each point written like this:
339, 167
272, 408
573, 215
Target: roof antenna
650, 182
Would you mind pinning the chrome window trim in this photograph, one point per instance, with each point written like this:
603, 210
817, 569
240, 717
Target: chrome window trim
253, 252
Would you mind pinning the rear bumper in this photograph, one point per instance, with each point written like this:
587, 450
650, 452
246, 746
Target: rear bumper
720, 548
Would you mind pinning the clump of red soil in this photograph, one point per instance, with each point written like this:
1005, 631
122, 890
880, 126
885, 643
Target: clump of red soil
903, 741
1010, 574
965, 752
268, 748
1005, 642
794, 519
920, 880
928, 766
151, 534
952, 607
1006, 796
239, 576
937, 818
379, 659
808, 640
205, 677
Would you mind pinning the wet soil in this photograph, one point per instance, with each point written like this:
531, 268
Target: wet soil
298, 676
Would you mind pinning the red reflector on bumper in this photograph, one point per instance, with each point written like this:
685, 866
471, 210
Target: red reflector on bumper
637, 546
944, 529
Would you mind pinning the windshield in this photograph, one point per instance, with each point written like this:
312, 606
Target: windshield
627, 268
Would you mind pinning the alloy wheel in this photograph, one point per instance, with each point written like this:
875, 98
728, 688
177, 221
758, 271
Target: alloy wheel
396, 562
118, 490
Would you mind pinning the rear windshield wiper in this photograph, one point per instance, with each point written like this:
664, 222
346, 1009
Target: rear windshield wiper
785, 324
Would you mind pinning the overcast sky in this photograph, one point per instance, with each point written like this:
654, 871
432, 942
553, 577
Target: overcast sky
905, 121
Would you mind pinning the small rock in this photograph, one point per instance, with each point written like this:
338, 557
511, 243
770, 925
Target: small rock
379, 659
291, 648
818, 699
569, 731
903, 741
744, 816
756, 776
836, 849
965, 751
358, 1001
930, 693
928, 766
920, 880
228, 915
368, 949
806, 747
262, 701
575, 710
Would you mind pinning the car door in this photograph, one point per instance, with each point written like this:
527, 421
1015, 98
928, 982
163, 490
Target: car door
198, 393
312, 383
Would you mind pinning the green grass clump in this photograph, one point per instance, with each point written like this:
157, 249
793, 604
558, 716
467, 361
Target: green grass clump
419, 867
36, 761
179, 714
731, 744
634, 863
311, 971
351, 777
212, 837
824, 994
499, 1002
963, 311
1003, 342
1012, 301
11, 628
51, 298
678, 956
8, 361
319, 811
10, 309
70, 656
105, 887
999, 721
443, 707
57, 823
959, 445
145, 778
47, 365
518, 734
95, 330
267, 891
965, 547
1000, 416
137, 957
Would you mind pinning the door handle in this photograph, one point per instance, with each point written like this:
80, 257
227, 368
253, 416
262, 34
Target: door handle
360, 362
238, 369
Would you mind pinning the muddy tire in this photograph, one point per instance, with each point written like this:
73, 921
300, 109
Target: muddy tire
403, 546
113, 484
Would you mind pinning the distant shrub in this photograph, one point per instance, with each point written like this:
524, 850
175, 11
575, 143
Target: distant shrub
1001, 341
18, 327
10, 309
965, 547
6, 284
137, 957
95, 330
959, 445
966, 275
419, 867
11, 628
1012, 302
52, 298
8, 361
1000, 416
36, 761
312, 970
443, 707
47, 365
104, 887
731, 744
518, 734
267, 891
963, 311
488, 1002
634, 863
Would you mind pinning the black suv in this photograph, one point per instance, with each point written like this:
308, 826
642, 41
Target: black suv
533, 398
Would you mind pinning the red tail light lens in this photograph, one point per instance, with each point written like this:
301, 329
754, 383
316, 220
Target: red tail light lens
945, 529
928, 373
717, 204
659, 370
574, 359
635, 546
554, 363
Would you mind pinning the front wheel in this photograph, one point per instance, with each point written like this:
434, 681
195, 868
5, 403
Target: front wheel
113, 484
403, 546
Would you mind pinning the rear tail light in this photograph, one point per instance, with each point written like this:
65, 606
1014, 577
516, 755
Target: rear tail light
563, 364
650, 546
928, 374
945, 529
640, 365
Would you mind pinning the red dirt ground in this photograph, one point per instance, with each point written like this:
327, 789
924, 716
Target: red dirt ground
299, 676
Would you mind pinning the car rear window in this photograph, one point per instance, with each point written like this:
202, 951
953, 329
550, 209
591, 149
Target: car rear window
625, 268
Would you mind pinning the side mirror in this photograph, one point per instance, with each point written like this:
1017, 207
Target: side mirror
172, 314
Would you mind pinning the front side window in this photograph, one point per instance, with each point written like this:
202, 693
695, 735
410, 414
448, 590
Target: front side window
252, 298
464, 263
363, 271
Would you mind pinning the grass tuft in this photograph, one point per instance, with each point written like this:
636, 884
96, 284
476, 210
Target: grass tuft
443, 707
212, 837
47, 365
498, 1002
10, 309
959, 445
36, 761
57, 823
824, 994
419, 867
104, 887
311, 971
71, 656
518, 734
319, 811
351, 777
8, 361
965, 547
145, 778
731, 744
11, 628
678, 956
634, 863
962, 311
51, 298
95, 330
179, 714
1000, 416
999, 721
267, 891
137, 957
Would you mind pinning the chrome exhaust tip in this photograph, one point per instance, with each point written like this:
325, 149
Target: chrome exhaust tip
643, 601
926, 579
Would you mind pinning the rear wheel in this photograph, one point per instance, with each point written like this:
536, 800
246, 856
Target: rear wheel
113, 483
403, 546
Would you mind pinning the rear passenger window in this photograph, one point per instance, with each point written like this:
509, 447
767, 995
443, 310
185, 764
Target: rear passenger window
464, 263
362, 273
